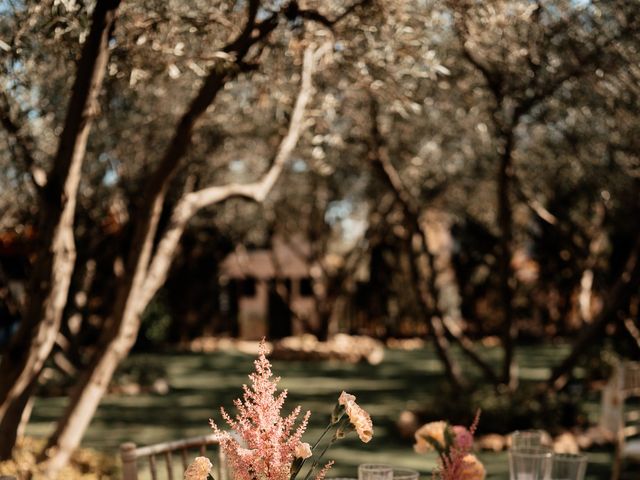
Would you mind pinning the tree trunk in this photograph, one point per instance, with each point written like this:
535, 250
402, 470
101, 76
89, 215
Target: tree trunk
449, 325
617, 297
144, 276
425, 286
433, 316
391, 177
91, 387
53, 267
16, 414
505, 223
119, 335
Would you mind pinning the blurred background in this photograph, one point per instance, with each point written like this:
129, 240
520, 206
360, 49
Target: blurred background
432, 205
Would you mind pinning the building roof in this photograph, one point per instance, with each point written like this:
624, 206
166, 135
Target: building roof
288, 258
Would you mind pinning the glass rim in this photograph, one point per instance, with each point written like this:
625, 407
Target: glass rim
570, 456
405, 472
532, 451
375, 466
528, 432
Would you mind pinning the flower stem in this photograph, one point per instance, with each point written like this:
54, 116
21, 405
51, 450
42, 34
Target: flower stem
317, 460
327, 428
295, 472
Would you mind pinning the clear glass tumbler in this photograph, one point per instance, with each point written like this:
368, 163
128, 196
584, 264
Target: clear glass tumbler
568, 466
405, 474
530, 463
527, 438
375, 471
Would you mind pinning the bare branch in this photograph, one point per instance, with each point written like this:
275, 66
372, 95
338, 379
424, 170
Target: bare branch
379, 157
153, 195
533, 203
493, 78
293, 11
257, 191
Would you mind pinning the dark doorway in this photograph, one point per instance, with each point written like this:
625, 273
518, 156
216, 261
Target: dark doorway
279, 312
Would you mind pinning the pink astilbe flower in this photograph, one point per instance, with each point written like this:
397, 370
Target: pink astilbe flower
462, 437
461, 466
323, 472
270, 443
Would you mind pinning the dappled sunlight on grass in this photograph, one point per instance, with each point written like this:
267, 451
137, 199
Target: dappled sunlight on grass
201, 383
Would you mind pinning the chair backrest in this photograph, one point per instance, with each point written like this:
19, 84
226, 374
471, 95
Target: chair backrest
623, 384
612, 404
623, 421
631, 378
165, 452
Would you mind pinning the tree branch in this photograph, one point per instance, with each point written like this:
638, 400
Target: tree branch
614, 299
293, 11
441, 326
153, 195
257, 191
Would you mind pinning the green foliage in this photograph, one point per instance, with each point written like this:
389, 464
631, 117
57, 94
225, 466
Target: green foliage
140, 370
503, 412
156, 321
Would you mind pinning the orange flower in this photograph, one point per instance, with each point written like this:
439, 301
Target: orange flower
199, 469
346, 398
434, 431
358, 417
473, 468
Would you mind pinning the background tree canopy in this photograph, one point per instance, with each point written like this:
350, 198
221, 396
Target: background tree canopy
455, 170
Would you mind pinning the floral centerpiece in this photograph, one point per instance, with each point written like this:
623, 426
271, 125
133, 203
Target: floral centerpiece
263, 445
453, 444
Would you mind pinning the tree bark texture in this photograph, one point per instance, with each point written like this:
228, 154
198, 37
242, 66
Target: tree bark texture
145, 274
52, 270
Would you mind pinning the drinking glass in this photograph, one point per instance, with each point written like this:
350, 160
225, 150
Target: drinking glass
530, 463
375, 471
526, 439
405, 474
568, 466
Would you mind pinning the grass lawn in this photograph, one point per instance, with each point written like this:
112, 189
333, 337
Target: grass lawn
200, 383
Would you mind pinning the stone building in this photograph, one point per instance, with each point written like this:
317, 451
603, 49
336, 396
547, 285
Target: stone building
269, 292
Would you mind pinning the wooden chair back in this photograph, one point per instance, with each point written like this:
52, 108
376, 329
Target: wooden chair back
166, 453
620, 416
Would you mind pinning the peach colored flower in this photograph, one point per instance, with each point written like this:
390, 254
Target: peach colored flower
358, 417
433, 430
303, 450
199, 469
346, 398
473, 469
